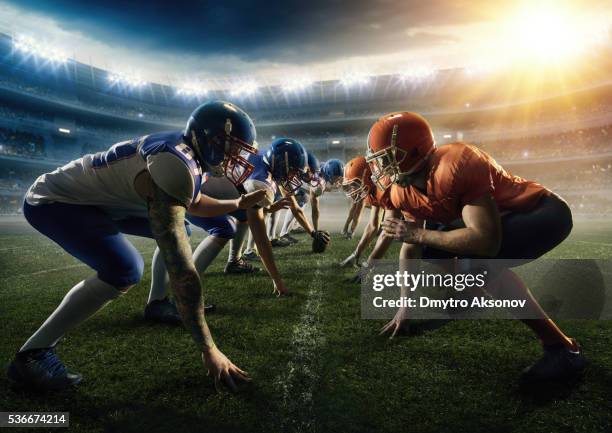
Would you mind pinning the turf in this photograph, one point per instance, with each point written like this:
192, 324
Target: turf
316, 365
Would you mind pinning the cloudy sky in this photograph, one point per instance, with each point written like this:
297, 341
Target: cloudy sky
178, 39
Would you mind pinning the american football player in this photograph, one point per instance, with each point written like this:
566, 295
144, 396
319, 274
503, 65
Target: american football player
306, 193
142, 187
327, 178
281, 169
362, 192
473, 208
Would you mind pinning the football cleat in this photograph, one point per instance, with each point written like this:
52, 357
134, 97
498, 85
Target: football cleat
240, 266
290, 238
41, 369
280, 243
298, 230
165, 311
558, 362
250, 255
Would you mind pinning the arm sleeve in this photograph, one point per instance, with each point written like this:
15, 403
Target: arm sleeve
477, 180
171, 175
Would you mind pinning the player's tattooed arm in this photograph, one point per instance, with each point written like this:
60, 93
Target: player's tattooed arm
167, 218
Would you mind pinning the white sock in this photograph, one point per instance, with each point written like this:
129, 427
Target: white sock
207, 251
79, 304
250, 244
272, 220
235, 251
287, 223
159, 278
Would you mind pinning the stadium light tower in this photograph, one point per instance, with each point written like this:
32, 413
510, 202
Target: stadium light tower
354, 79
192, 89
29, 46
127, 80
244, 88
297, 84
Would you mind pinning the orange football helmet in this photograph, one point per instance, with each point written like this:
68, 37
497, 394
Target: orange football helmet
357, 183
399, 144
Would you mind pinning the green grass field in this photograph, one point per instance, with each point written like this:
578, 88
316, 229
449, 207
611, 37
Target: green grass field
317, 366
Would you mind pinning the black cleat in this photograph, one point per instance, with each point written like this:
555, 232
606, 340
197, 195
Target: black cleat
280, 243
297, 230
240, 266
41, 369
290, 238
165, 311
558, 362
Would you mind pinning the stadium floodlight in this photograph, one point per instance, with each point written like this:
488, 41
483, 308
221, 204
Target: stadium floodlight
127, 80
244, 88
416, 74
354, 79
64, 130
297, 84
28, 45
191, 90
335, 141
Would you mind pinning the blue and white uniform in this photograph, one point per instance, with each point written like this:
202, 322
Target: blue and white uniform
222, 226
89, 204
261, 179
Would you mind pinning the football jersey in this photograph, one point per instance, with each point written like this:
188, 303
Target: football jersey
318, 190
379, 198
106, 179
261, 179
458, 174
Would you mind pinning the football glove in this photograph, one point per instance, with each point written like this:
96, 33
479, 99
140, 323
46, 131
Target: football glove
320, 240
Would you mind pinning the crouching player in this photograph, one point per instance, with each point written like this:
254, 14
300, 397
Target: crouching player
142, 187
310, 191
473, 209
362, 192
281, 171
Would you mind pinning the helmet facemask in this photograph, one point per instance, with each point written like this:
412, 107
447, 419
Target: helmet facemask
292, 181
386, 164
355, 189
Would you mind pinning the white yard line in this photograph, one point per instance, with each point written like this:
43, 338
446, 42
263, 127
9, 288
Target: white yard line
297, 382
601, 244
45, 271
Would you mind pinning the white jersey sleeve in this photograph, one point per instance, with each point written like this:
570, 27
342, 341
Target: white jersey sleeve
252, 185
171, 175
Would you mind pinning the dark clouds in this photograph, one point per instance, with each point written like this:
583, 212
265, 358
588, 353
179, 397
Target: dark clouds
275, 31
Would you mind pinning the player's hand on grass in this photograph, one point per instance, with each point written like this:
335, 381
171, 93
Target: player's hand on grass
280, 289
321, 235
283, 203
400, 230
350, 261
222, 370
247, 201
361, 273
398, 325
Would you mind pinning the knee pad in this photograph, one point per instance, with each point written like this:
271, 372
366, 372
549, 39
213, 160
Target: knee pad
123, 272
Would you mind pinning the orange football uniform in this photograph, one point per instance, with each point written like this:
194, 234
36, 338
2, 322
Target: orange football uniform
459, 173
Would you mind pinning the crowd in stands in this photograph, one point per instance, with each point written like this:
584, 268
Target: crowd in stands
20, 143
569, 143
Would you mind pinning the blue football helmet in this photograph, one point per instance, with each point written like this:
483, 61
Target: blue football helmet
288, 163
333, 172
313, 174
222, 136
